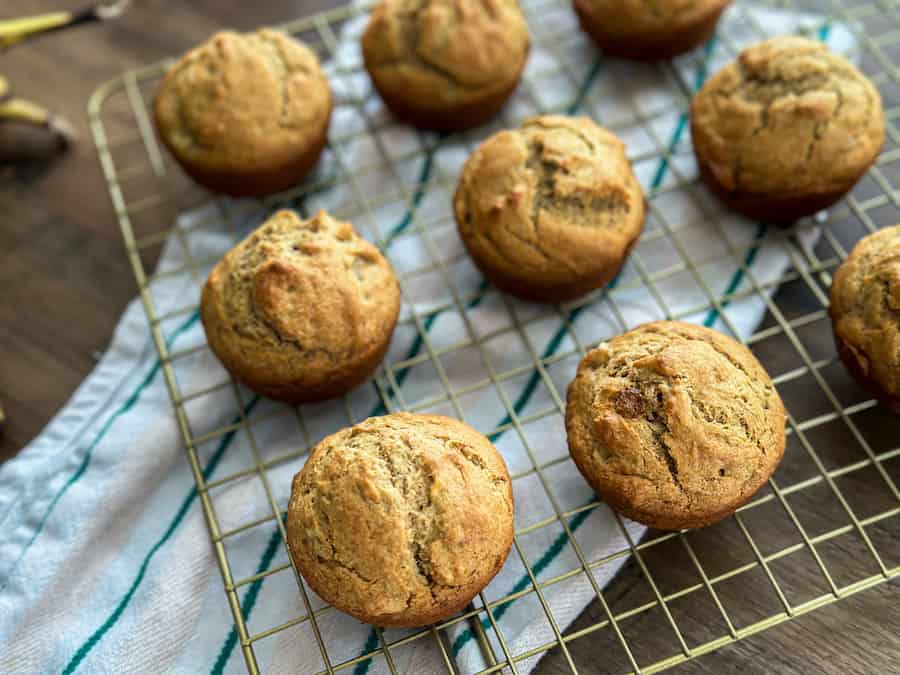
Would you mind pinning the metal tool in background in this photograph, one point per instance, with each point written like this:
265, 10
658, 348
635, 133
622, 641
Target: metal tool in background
16, 31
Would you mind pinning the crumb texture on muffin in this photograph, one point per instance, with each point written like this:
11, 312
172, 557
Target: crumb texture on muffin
435, 56
301, 308
674, 425
865, 313
787, 118
402, 519
245, 104
549, 210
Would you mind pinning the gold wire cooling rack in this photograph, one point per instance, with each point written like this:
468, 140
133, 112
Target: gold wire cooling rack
825, 528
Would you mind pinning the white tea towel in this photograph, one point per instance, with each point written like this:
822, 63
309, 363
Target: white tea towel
105, 560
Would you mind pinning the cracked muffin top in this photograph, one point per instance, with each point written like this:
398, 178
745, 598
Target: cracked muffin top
301, 307
865, 313
674, 425
787, 118
401, 519
434, 53
549, 210
244, 102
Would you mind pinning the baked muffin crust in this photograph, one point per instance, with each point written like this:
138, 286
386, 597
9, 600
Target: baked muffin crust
445, 64
674, 425
865, 314
549, 211
786, 129
301, 310
401, 519
647, 30
245, 114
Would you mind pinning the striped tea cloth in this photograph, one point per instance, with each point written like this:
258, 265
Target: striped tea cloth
105, 560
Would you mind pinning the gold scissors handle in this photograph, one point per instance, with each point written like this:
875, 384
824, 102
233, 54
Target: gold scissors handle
13, 31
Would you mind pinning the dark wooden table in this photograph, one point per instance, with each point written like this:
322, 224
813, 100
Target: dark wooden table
65, 281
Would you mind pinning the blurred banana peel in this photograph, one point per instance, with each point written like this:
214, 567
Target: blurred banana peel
13, 109
19, 110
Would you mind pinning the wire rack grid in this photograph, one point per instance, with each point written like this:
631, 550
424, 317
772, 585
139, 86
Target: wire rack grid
835, 431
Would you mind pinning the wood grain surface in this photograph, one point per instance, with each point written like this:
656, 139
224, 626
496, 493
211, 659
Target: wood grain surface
65, 281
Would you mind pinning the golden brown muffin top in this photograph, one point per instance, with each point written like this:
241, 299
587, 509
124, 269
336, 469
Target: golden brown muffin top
401, 519
787, 117
300, 299
242, 101
865, 307
641, 16
555, 198
445, 51
679, 422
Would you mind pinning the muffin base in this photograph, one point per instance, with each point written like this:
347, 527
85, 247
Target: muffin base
646, 47
547, 294
330, 385
534, 291
848, 357
673, 521
782, 210
455, 118
439, 612
257, 182
668, 521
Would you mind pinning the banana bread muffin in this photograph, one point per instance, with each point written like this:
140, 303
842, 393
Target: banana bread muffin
401, 520
245, 114
647, 31
786, 130
301, 310
549, 211
445, 64
865, 314
674, 425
